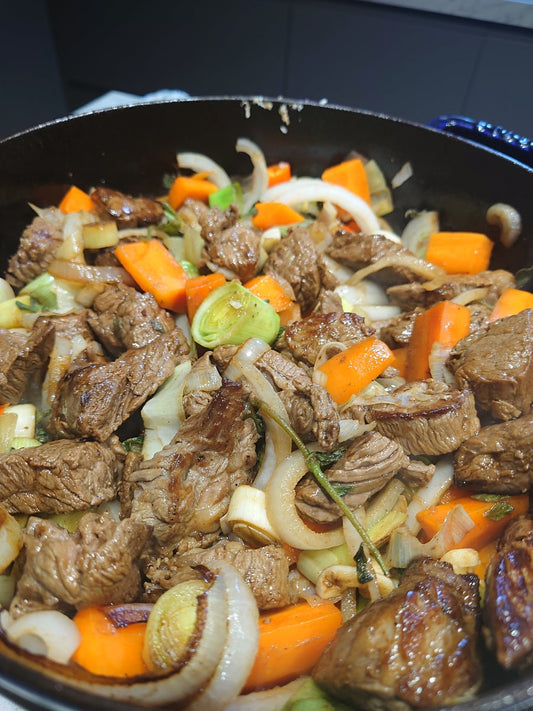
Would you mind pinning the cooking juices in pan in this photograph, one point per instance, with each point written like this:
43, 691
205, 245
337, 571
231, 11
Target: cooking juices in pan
252, 424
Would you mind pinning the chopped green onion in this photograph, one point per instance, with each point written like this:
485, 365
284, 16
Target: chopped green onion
231, 314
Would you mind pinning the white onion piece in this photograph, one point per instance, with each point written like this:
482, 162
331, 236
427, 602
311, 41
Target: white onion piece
46, 632
405, 172
188, 679
416, 265
269, 700
404, 546
200, 163
242, 640
278, 444
6, 291
467, 297
417, 231
509, 221
430, 494
84, 274
438, 358
349, 429
282, 511
11, 539
259, 174
316, 190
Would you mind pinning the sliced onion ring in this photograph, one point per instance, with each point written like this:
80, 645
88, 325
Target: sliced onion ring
259, 174
200, 163
316, 190
84, 274
282, 511
242, 640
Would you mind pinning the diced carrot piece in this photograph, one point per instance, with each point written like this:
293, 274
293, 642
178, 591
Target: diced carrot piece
445, 323
267, 288
197, 288
155, 270
185, 187
460, 252
278, 173
348, 372
349, 174
76, 200
291, 640
274, 214
510, 303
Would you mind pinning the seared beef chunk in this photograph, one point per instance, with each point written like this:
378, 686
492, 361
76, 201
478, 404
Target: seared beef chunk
508, 608
264, 569
409, 296
229, 244
329, 302
426, 417
59, 476
416, 473
361, 250
306, 337
397, 331
311, 409
497, 364
123, 318
95, 565
94, 400
37, 247
296, 260
367, 465
186, 487
414, 648
206, 380
125, 210
499, 459
21, 359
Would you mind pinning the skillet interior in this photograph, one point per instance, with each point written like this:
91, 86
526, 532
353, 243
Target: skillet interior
131, 149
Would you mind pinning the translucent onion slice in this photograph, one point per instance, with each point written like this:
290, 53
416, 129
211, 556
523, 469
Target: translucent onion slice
419, 266
316, 190
189, 678
242, 640
84, 274
278, 444
509, 221
46, 632
200, 163
282, 511
259, 174
430, 494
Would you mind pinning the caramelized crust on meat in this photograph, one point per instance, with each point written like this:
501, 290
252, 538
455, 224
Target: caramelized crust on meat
415, 648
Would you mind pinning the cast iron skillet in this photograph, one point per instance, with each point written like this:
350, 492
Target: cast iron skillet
132, 148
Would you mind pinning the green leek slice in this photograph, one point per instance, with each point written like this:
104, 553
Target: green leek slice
231, 314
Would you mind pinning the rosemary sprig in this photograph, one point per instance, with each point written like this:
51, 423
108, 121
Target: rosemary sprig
322, 480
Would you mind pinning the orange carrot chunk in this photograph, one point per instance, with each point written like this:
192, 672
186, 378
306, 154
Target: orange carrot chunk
489, 518
197, 288
460, 252
349, 174
274, 214
195, 187
110, 646
348, 372
510, 303
291, 640
155, 270
444, 323
270, 290
75, 200
400, 360
278, 173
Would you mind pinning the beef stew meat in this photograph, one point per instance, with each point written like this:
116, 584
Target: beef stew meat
498, 459
415, 648
156, 458
497, 365
95, 399
508, 609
